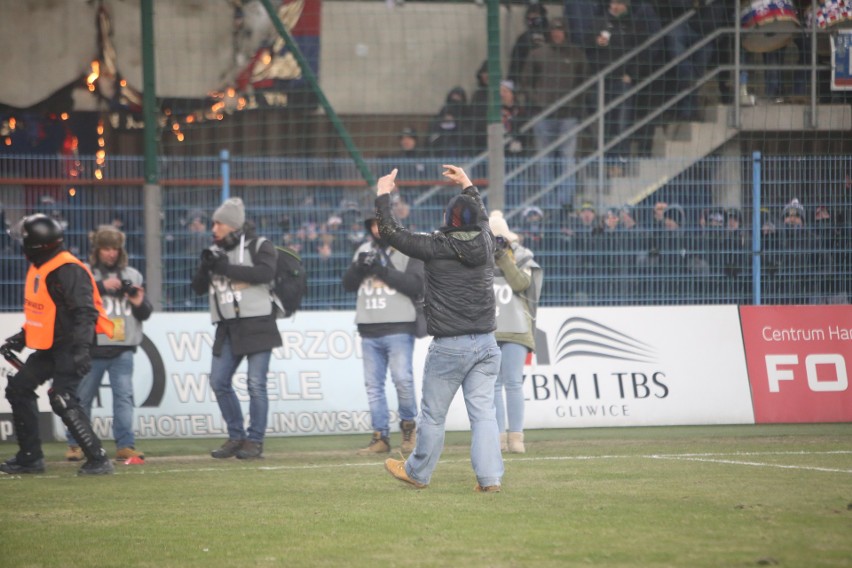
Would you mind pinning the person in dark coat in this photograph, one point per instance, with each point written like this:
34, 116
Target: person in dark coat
62, 313
450, 129
461, 316
236, 273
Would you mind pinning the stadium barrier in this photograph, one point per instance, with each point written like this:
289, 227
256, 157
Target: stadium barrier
594, 367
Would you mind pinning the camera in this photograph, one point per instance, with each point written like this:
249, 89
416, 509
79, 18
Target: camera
128, 288
367, 259
211, 255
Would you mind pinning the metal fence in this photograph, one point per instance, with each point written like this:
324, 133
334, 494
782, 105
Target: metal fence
696, 240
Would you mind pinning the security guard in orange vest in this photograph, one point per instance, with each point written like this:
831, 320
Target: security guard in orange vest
63, 311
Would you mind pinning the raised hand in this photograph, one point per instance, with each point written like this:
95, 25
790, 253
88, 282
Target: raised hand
386, 183
456, 174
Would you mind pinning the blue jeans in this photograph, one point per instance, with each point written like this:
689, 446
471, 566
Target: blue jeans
380, 354
773, 86
120, 370
472, 363
511, 377
221, 381
561, 159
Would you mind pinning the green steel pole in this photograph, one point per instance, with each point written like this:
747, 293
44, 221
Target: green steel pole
496, 157
494, 72
149, 92
312, 79
151, 192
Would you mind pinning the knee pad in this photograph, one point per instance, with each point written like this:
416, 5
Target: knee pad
15, 391
62, 402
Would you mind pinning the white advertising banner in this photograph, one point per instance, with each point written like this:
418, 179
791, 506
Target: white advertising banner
594, 367
637, 366
315, 380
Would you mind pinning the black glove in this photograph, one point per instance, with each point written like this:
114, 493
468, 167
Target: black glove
501, 245
379, 270
209, 256
366, 259
82, 360
17, 342
220, 265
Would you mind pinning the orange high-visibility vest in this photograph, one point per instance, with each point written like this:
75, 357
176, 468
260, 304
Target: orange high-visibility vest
40, 310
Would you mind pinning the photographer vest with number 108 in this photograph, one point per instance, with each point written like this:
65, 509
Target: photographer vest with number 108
379, 303
231, 299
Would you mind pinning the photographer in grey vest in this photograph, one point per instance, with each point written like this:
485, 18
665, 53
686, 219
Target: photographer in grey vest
517, 287
389, 284
123, 293
237, 272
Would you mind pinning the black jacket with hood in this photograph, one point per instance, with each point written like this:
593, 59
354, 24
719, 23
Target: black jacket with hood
459, 263
252, 334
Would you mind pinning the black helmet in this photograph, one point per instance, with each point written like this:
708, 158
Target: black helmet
40, 234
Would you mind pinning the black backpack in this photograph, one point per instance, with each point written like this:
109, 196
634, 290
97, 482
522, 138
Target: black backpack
290, 282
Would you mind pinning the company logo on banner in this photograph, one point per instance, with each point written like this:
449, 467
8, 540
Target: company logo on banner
315, 381
637, 366
798, 362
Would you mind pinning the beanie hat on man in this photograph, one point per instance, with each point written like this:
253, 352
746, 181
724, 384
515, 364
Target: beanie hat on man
462, 211
108, 236
231, 213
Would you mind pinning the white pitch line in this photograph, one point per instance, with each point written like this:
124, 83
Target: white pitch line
698, 457
753, 464
787, 453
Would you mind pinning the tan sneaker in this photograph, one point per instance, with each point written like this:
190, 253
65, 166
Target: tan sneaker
397, 469
409, 435
129, 452
516, 443
487, 488
378, 445
74, 454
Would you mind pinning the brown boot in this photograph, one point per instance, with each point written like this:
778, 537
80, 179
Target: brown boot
504, 442
409, 435
516, 443
74, 454
397, 469
228, 449
378, 445
250, 450
123, 454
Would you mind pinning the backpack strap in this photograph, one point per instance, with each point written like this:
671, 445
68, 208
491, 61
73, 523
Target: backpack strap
276, 301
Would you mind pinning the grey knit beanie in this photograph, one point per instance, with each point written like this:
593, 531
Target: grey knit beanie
232, 213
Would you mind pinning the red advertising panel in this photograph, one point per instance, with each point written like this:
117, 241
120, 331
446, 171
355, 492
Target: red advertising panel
799, 358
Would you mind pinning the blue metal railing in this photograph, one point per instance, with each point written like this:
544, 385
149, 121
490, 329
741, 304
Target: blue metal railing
317, 206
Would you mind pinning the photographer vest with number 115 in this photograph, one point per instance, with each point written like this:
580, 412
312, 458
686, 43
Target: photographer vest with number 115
379, 303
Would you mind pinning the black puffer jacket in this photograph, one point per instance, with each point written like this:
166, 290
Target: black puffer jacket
459, 270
